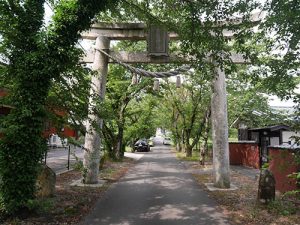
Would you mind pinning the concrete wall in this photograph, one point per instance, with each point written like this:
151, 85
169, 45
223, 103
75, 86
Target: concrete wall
244, 153
282, 163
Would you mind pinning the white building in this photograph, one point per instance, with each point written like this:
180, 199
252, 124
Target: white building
56, 142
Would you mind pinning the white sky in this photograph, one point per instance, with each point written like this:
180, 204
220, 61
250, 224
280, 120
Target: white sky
48, 14
275, 101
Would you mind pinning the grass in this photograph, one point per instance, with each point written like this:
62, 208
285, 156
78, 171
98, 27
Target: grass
128, 149
182, 156
195, 156
232, 139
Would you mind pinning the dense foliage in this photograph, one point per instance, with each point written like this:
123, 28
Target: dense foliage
187, 108
116, 109
36, 55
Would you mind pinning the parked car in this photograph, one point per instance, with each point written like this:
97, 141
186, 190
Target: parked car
142, 146
167, 141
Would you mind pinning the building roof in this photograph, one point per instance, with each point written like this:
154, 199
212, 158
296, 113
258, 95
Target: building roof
272, 128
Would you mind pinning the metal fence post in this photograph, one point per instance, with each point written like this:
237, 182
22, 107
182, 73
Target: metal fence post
69, 152
46, 156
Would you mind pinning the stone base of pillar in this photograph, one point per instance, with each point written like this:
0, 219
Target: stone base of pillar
211, 187
79, 183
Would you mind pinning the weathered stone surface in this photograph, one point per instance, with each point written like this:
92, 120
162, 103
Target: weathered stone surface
91, 159
220, 129
266, 186
46, 182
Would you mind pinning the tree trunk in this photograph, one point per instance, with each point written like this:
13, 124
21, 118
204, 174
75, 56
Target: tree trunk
113, 150
203, 151
92, 138
178, 146
183, 140
178, 140
220, 130
204, 146
132, 145
189, 150
119, 150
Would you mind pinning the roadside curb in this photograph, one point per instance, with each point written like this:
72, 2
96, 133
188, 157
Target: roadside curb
64, 171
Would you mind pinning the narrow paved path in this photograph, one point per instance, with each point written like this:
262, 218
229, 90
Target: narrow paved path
156, 191
57, 159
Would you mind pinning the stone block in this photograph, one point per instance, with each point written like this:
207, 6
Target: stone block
46, 182
266, 186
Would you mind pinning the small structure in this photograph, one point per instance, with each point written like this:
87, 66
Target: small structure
273, 135
267, 136
273, 144
266, 186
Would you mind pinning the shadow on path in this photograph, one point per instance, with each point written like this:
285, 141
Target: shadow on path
156, 191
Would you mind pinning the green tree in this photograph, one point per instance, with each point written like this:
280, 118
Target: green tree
248, 102
36, 55
69, 95
120, 93
141, 118
283, 22
189, 107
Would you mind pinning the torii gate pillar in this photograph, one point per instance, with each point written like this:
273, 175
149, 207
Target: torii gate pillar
220, 129
92, 138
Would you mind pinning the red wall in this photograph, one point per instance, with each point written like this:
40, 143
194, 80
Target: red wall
3, 92
282, 163
4, 109
246, 154
68, 132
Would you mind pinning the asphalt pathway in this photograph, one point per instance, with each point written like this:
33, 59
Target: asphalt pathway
156, 191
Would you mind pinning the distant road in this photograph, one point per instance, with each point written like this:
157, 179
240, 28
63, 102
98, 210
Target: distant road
57, 158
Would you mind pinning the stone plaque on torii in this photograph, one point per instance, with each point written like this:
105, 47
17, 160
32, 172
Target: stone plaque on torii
103, 33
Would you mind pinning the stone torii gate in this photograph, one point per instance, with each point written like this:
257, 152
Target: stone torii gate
103, 33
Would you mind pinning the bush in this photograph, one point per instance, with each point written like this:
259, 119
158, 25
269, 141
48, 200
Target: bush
284, 208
